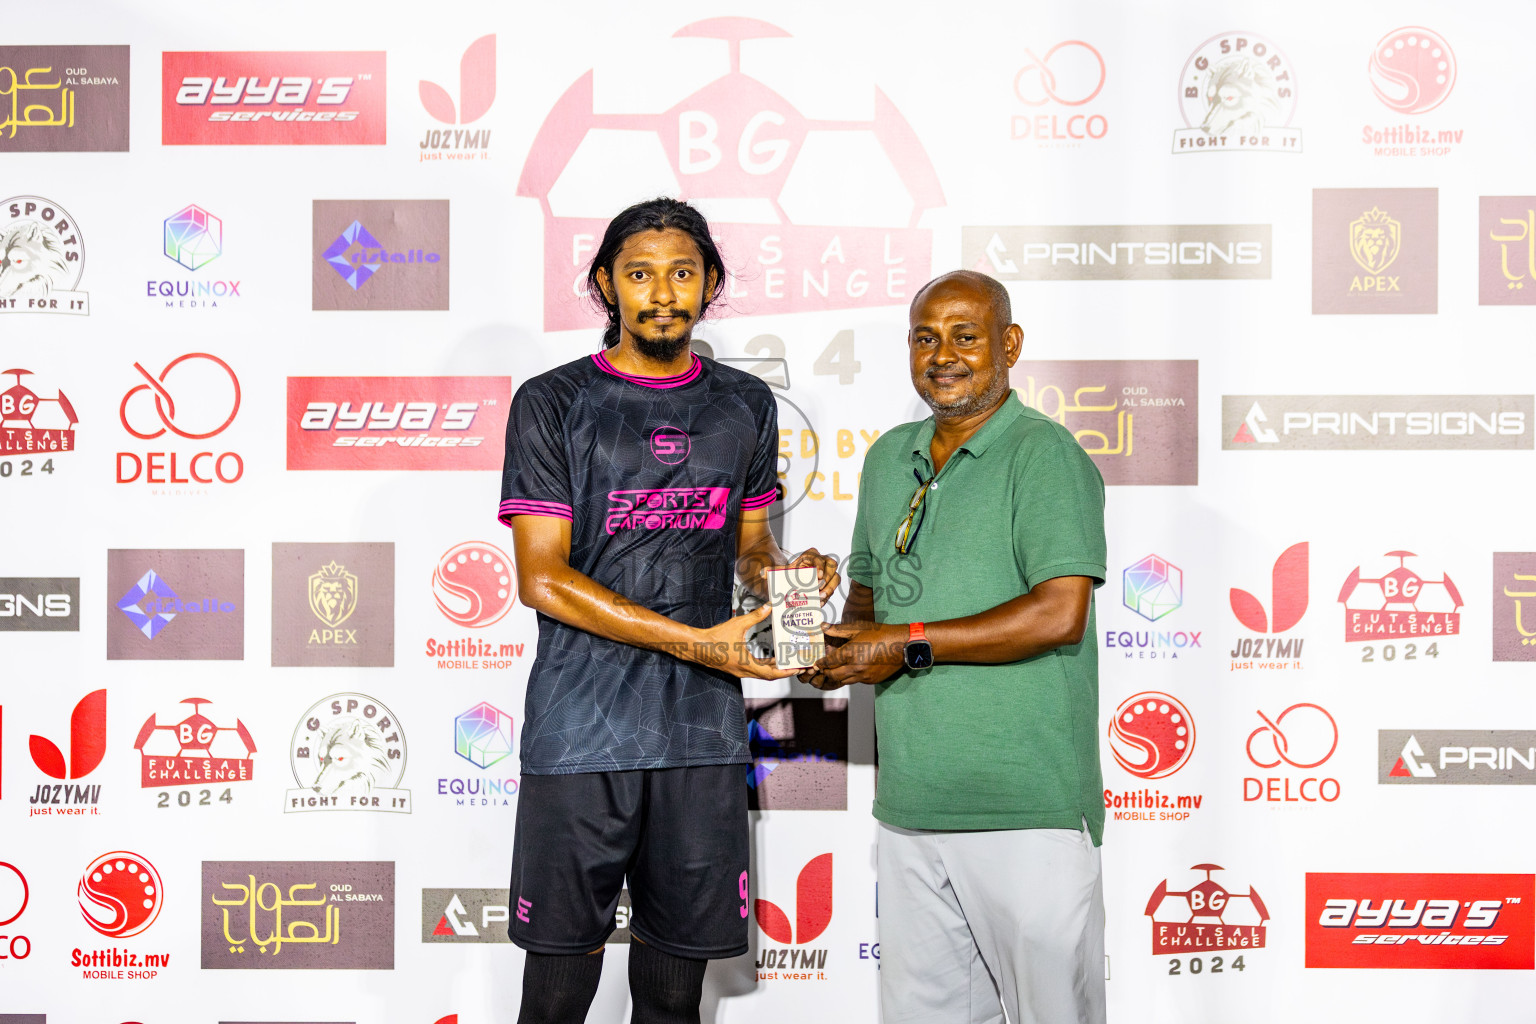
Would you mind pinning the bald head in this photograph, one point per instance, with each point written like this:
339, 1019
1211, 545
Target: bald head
996, 294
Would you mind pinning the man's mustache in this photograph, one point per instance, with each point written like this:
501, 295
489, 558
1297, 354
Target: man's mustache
650, 314
934, 371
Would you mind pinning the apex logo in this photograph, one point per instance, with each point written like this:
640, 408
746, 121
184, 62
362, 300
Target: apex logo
813, 906
1408, 763
87, 741
1288, 594
477, 86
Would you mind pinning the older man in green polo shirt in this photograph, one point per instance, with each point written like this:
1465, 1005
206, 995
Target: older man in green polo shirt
977, 546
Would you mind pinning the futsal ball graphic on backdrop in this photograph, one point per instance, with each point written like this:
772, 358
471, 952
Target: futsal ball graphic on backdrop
1206, 917
757, 168
33, 425
1152, 735
120, 894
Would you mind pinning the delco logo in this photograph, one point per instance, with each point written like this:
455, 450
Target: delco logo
272, 98
394, 422
1444, 921
668, 508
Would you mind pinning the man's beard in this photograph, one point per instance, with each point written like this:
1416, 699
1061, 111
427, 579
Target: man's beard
661, 350
970, 404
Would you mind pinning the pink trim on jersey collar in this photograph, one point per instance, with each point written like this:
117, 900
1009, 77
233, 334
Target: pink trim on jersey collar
675, 381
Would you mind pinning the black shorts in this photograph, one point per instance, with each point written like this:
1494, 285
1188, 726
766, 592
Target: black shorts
679, 835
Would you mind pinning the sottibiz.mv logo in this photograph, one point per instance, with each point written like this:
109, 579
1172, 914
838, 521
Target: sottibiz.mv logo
813, 912
1428, 921
737, 141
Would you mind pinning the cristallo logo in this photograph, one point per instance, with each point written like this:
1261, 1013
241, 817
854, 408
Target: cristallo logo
738, 142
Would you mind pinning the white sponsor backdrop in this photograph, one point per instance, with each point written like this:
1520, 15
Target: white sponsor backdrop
864, 202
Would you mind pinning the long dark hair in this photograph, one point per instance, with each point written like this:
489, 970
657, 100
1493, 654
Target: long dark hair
657, 214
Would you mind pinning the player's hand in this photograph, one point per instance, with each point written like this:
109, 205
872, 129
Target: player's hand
725, 647
826, 570
867, 654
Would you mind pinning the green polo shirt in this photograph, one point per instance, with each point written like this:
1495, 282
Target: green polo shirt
985, 746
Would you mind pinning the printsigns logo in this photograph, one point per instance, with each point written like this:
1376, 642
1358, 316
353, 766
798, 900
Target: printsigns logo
194, 751
1514, 605
1399, 604
395, 423
196, 396
738, 142
31, 425
1421, 921
298, 915
1506, 251
1456, 757
87, 746
251, 99
42, 256
464, 915
1412, 72
1206, 917
1136, 418
1070, 74
477, 91
39, 604
176, 604
402, 242
1301, 737
348, 754
120, 894
1376, 422
333, 604
474, 584
1237, 93
64, 99
799, 753
1374, 230
1119, 252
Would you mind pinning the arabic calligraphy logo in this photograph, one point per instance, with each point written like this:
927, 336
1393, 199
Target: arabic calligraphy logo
194, 237
254, 897
1524, 230
120, 894
1154, 587
1375, 239
204, 395
34, 114
332, 594
1152, 735
1307, 742
477, 86
1124, 421
483, 735
1412, 70
473, 584
1527, 636
1072, 80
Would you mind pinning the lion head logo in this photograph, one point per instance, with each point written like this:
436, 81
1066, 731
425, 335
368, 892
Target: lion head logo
32, 260
333, 594
1242, 95
352, 757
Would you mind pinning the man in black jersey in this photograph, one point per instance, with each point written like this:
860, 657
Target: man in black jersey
637, 486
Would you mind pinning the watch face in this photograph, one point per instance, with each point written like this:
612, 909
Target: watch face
918, 654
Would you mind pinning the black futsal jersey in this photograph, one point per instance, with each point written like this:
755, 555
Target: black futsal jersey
653, 474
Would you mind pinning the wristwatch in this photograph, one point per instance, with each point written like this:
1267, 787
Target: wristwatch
918, 652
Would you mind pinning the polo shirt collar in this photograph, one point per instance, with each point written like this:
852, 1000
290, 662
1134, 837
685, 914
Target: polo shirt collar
979, 442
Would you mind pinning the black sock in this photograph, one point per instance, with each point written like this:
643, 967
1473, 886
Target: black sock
666, 989
559, 989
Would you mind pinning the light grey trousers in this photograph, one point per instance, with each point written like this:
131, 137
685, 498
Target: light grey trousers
976, 923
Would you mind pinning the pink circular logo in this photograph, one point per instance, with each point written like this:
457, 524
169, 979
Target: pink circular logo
1412, 70
669, 445
1152, 735
120, 894
474, 584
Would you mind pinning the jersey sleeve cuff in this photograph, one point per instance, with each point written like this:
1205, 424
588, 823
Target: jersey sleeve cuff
524, 507
761, 501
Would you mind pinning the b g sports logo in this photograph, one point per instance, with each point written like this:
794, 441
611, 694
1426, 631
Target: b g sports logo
285, 98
